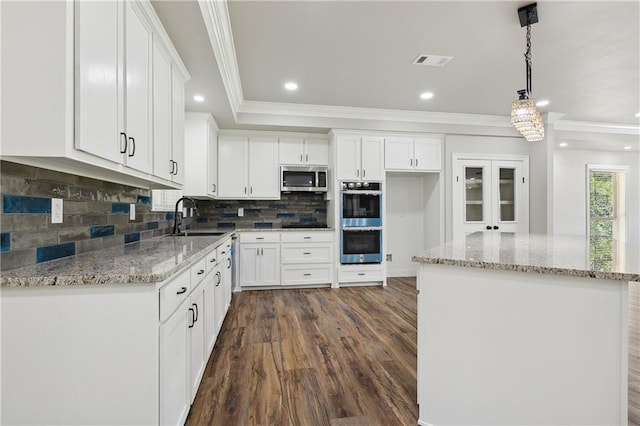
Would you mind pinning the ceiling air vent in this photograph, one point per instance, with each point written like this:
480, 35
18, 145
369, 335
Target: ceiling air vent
432, 60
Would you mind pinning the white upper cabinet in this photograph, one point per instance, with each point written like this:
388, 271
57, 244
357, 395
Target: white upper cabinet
412, 154
201, 155
248, 167
100, 93
359, 158
177, 120
304, 151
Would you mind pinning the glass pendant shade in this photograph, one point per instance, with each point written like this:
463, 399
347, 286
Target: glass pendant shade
527, 120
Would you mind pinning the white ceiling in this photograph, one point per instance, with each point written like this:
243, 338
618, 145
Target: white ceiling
359, 53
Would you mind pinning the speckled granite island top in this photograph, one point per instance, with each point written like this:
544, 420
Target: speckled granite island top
146, 261
556, 255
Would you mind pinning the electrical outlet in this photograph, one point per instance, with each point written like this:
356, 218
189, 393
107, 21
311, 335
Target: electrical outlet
389, 257
132, 212
240, 211
56, 210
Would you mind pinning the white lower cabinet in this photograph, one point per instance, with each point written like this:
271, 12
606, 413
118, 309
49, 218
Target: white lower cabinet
197, 360
174, 367
286, 258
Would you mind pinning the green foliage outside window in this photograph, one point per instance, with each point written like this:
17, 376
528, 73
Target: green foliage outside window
602, 214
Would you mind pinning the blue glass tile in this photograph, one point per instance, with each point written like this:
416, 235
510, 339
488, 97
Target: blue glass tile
253, 211
188, 226
130, 238
245, 202
152, 225
5, 241
285, 215
229, 215
119, 208
308, 219
226, 225
278, 206
102, 231
202, 220
55, 251
143, 199
22, 204
168, 216
223, 206
305, 196
321, 211
263, 225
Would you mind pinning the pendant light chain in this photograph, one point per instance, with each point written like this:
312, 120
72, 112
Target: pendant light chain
527, 58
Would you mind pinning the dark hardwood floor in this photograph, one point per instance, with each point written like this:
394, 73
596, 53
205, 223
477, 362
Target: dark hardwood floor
330, 357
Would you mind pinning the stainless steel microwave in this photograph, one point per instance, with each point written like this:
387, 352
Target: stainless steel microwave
308, 179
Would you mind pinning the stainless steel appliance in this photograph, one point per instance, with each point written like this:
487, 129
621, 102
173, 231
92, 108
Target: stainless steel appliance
308, 179
360, 204
360, 245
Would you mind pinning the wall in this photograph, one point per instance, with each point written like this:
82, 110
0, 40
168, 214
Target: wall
570, 188
95, 215
300, 207
459, 144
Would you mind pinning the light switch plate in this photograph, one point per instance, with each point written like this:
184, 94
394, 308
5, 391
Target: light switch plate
132, 212
56, 210
240, 211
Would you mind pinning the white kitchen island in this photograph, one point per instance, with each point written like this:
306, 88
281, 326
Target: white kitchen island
522, 329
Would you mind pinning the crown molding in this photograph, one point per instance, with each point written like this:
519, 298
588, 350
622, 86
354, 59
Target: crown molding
216, 20
596, 127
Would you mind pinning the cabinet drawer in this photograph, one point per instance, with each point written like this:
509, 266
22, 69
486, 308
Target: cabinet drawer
306, 274
305, 237
173, 293
198, 271
224, 250
305, 253
360, 274
260, 237
212, 260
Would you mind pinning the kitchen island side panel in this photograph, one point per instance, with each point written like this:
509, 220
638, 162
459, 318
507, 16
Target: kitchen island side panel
506, 347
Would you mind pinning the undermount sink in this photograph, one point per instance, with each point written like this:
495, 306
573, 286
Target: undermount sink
200, 233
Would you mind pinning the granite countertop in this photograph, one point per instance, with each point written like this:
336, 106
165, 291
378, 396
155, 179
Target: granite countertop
557, 255
147, 261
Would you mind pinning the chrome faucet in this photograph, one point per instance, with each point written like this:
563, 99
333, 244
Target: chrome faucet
176, 224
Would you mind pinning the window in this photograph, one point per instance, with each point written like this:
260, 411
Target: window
607, 214
164, 200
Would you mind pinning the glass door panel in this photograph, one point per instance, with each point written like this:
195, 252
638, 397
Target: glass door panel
473, 194
506, 194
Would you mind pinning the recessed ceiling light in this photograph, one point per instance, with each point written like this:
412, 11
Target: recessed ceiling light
291, 86
563, 144
638, 114
426, 95
542, 102
198, 98
627, 147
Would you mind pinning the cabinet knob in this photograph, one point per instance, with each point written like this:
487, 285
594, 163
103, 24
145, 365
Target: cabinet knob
496, 227
488, 226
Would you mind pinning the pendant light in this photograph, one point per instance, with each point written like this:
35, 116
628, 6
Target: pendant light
524, 115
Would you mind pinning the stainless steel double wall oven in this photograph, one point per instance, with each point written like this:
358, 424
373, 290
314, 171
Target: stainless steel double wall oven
360, 222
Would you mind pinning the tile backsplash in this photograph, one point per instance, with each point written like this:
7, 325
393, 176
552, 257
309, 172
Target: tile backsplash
95, 215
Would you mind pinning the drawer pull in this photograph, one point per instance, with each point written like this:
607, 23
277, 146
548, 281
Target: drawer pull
196, 312
306, 252
182, 290
307, 238
212, 260
307, 274
259, 238
193, 321
361, 273
201, 271
223, 252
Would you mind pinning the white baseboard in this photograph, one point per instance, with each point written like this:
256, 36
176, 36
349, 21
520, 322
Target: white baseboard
401, 272
423, 423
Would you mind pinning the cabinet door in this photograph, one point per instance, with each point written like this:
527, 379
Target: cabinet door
316, 152
209, 317
98, 119
162, 166
372, 158
138, 90
219, 301
264, 172
427, 154
174, 367
291, 151
212, 167
177, 127
348, 158
508, 200
398, 154
472, 198
227, 282
249, 264
270, 264
196, 340
232, 167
